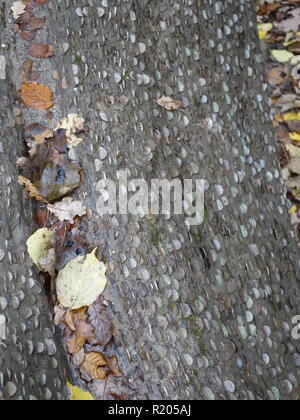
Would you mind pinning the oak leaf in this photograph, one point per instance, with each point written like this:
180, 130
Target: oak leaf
36, 95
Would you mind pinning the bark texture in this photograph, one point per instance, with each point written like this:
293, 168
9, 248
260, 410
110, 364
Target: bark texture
201, 313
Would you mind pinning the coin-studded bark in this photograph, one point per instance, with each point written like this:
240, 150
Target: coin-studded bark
206, 312
31, 361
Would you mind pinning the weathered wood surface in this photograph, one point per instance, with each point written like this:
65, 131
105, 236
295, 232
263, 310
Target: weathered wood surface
201, 313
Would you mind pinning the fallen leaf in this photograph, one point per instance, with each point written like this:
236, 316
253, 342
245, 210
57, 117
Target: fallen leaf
81, 330
92, 367
293, 209
294, 165
59, 314
295, 136
67, 209
263, 29
36, 95
40, 50
72, 124
78, 394
168, 103
59, 177
112, 363
294, 151
47, 263
81, 281
291, 24
270, 7
31, 189
103, 327
39, 245
18, 9
275, 76
32, 24
283, 56
78, 358
41, 137
289, 116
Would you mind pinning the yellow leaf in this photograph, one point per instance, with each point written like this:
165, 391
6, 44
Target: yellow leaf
78, 394
286, 44
295, 136
293, 209
38, 247
290, 116
283, 56
81, 281
263, 29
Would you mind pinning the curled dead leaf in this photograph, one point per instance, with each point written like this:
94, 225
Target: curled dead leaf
168, 103
92, 367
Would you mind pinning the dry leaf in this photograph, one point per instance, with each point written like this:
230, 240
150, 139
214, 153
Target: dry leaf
78, 358
112, 363
81, 281
72, 124
36, 95
67, 209
291, 24
92, 367
31, 189
40, 50
75, 344
81, 330
18, 9
169, 103
59, 314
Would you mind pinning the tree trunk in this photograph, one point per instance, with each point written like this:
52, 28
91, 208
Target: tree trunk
202, 312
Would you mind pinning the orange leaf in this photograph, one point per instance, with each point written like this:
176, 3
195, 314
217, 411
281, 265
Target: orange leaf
36, 95
91, 368
31, 189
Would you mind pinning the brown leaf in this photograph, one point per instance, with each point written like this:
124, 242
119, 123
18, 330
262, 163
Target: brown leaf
31, 23
31, 189
40, 50
69, 321
59, 314
81, 330
36, 95
112, 363
92, 367
168, 103
75, 344
28, 36
268, 8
